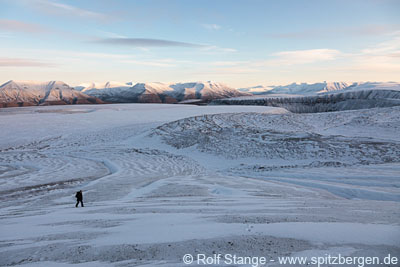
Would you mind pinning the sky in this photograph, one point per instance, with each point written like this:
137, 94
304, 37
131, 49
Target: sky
238, 42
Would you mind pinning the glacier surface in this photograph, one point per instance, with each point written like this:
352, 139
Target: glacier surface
161, 181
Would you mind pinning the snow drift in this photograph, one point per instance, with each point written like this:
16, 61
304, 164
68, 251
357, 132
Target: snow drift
235, 183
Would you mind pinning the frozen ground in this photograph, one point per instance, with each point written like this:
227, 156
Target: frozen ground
161, 181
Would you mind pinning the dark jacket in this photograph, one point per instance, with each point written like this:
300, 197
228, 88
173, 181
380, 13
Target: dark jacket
79, 196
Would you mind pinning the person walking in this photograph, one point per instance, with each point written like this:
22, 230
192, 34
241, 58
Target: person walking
79, 198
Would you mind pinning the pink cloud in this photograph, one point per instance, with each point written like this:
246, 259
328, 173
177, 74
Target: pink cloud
20, 26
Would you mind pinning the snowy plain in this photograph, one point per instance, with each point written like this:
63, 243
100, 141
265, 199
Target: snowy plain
161, 181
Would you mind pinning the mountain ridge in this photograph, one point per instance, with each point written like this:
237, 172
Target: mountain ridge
317, 88
16, 93
157, 92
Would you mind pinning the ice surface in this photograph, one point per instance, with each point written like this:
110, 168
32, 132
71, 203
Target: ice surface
161, 181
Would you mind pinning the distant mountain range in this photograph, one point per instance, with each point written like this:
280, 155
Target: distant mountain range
28, 93
159, 92
305, 89
320, 97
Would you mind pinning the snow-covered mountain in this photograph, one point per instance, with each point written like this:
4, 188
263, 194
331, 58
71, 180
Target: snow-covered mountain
258, 89
31, 93
298, 89
93, 85
28, 93
374, 86
314, 98
305, 89
159, 92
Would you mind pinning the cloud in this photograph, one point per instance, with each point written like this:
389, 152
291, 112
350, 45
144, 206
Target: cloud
145, 42
367, 30
394, 54
214, 27
69, 54
385, 48
159, 63
73, 58
23, 62
276, 63
5, 35
17, 26
212, 49
381, 57
305, 56
20, 26
236, 70
111, 34
57, 8
228, 63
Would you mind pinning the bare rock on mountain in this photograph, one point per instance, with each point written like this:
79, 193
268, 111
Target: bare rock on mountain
159, 92
29, 93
